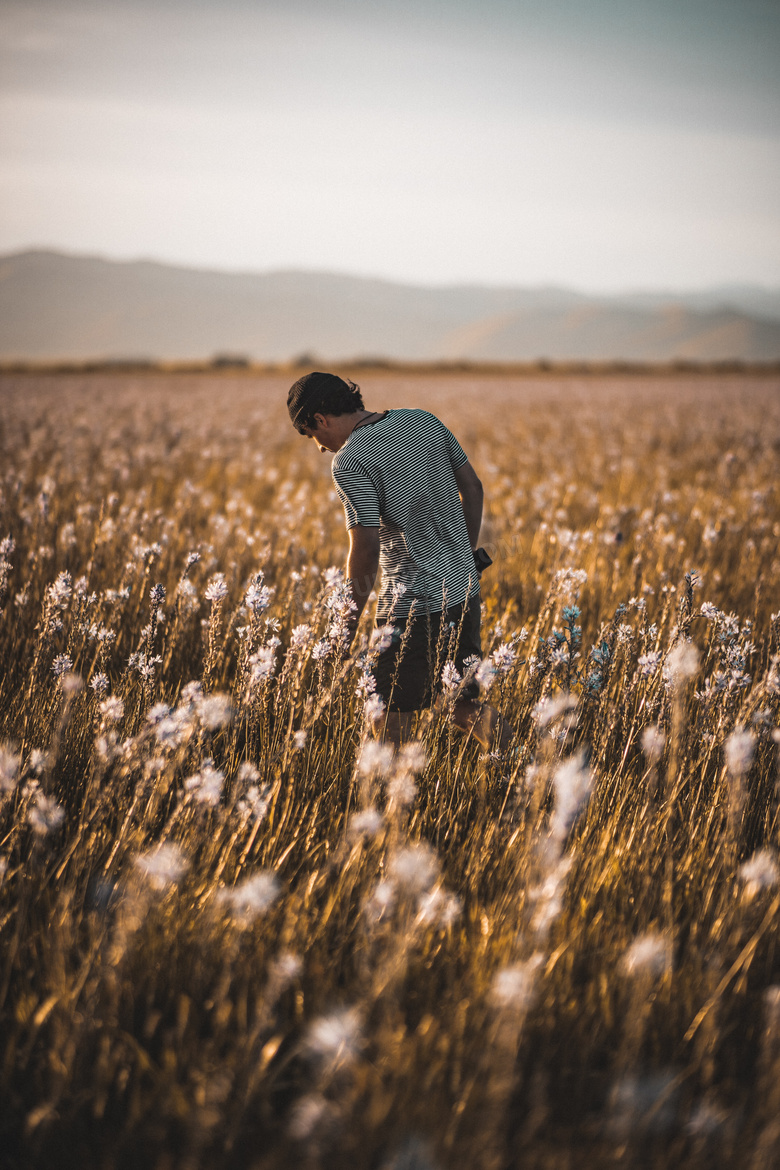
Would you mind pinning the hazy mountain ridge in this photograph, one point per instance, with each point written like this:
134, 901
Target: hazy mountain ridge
75, 307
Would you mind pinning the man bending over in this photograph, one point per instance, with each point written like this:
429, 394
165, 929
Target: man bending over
413, 506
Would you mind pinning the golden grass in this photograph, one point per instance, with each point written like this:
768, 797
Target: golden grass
207, 961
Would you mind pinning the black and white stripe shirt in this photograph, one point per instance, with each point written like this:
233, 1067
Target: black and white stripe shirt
398, 474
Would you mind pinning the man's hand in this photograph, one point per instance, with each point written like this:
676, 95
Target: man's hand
470, 488
362, 567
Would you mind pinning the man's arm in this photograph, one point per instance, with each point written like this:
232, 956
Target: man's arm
471, 495
362, 566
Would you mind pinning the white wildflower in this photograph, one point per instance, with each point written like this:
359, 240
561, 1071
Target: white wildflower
301, 637
155, 714
415, 868
682, 662
322, 650
376, 758
99, 683
649, 954
485, 674
335, 1039
710, 611
367, 823
503, 657
299, 740
450, 677
653, 741
206, 785
738, 752
438, 908
761, 872
163, 865
514, 987
401, 789
572, 782
214, 711
373, 708
252, 897
217, 589
9, 768
412, 757
256, 803
549, 709
112, 709
381, 638
61, 666
648, 663
46, 815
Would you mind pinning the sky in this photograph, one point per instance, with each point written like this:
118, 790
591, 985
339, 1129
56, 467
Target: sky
605, 145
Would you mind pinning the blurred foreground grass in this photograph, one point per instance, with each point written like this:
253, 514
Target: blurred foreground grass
234, 934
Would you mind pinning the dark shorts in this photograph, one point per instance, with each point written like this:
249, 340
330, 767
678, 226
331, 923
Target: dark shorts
408, 669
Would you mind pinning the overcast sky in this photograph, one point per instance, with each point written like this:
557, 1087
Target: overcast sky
603, 144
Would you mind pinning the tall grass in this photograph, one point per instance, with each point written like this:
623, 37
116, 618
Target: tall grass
235, 933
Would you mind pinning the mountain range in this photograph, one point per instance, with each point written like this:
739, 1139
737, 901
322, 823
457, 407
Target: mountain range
63, 307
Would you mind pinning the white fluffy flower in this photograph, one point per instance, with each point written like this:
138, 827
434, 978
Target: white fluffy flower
761, 872
514, 986
649, 954
46, 815
367, 823
653, 740
738, 751
572, 782
217, 589
252, 897
163, 865
335, 1039
415, 869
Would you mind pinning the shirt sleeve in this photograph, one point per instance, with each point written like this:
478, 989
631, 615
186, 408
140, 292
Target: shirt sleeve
358, 495
457, 455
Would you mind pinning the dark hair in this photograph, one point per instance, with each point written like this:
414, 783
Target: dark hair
319, 393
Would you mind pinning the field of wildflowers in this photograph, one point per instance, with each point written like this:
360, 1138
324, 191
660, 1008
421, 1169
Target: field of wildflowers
235, 932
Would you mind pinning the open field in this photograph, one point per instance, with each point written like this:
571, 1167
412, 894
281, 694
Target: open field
232, 935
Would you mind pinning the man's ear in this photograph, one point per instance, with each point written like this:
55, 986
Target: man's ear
320, 420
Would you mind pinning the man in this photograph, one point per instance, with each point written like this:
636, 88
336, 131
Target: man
413, 505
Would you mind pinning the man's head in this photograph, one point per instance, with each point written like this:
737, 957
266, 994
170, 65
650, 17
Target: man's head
324, 394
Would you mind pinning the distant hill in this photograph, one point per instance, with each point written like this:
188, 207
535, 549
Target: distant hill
81, 307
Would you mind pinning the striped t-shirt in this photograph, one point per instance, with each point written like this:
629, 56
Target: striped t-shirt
398, 474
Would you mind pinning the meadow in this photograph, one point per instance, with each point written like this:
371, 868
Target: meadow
235, 932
